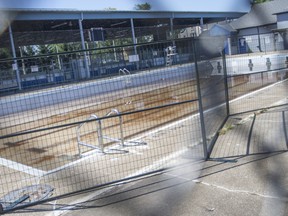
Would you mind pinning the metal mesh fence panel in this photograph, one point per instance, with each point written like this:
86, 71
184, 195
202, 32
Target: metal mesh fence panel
212, 84
89, 118
257, 89
73, 66
121, 125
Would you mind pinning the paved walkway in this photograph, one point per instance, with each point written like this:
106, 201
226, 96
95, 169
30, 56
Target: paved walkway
248, 185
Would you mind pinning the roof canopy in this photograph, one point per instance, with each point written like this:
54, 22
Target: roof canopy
32, 26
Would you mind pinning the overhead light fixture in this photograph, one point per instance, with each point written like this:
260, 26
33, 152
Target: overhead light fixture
22, 36
58, 25
115, 24
50, 40
162, 24
119, 36
121, 31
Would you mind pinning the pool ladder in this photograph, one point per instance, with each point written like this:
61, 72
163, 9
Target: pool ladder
127, 74
100, 136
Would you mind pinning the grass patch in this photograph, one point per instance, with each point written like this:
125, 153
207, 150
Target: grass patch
226, 128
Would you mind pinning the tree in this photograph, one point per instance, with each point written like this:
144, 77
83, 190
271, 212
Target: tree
29, 50
4, 66
66, 47
110, 9
259, 1
5, 53
145, 6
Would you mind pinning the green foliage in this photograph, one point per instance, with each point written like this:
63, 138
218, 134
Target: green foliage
259, 1
110, 9
145, 6
226, 128
50, 48
5, 53
29, 50
66, 47
44, 49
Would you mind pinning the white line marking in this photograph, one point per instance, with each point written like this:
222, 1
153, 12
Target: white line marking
240, 191
158, 164
135, 152
177, 176
70, 206
73, 163
22, 168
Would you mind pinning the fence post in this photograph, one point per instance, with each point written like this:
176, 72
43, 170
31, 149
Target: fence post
15, 65
201, 111
87, 76
226, 82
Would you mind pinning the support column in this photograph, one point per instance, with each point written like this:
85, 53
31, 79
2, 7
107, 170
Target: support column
133, 36
259, 40
172, 30
23, 62
83, 47
201, 23
229, 46
58, 58
14, 56
226, 82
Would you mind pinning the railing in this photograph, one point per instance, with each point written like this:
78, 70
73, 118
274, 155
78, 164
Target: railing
121, 139
124, 71
127, 74
100, 147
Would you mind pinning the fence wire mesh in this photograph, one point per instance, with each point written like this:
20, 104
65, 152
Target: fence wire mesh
128, 111
79, 136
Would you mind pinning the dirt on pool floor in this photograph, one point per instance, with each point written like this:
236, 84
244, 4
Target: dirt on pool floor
49, 149
52, 148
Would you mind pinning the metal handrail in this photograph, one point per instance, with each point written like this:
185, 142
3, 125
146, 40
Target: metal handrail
121, 140
127, 71
121, 70
115, 111
100, 136
126, 74
124, 71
